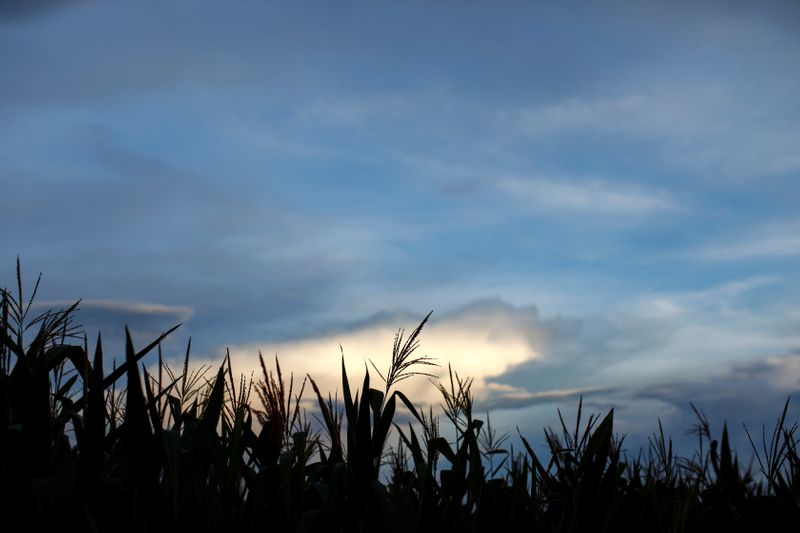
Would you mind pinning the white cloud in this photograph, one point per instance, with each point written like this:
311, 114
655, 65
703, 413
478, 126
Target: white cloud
767, 247
700, 332
707, 128
351, 110
504, 397
518, 359
650, 339
648, 356
125, 307
682, 304
593, 196
479, 341
679, 113
769, 241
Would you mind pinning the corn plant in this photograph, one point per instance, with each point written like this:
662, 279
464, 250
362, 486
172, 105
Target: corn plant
185, 448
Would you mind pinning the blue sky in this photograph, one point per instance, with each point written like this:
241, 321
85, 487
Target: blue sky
592, 200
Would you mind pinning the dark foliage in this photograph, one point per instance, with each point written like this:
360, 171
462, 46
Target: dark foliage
178, 452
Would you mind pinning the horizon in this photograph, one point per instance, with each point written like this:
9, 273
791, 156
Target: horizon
594, 201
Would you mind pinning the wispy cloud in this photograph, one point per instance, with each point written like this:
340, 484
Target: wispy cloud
784, 243
498, 397
678, 113
109, 318
701, 125
682, 304
585, 196
537, 191
772, 239
351, 110
122, 307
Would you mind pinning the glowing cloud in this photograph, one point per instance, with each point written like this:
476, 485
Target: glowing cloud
479, 341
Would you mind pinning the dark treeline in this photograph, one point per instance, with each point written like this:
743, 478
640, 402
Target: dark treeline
175, 452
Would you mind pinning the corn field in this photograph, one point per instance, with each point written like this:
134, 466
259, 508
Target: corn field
88, 448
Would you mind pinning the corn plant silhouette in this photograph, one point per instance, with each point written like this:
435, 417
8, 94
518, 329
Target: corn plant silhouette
188, 449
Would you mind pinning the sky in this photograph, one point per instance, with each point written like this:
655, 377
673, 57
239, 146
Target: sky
594, 200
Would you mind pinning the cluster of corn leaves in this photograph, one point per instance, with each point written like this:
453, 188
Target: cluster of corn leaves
83, 449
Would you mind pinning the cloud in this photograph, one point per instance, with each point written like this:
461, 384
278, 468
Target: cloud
120, 311
580, 114
137, 308
771, 242
771, 376
704, 125
480, 340
256, 163
679, 113
707, 347
648, 341
648, 361
683, 304
520, 360
751, 394
109, 318
585, 196
349, 111
503, 397
535, 191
